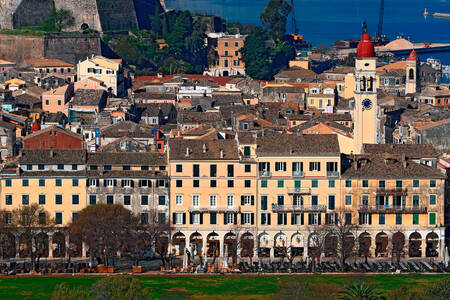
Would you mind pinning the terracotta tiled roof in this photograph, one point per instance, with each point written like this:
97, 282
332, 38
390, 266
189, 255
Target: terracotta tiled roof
127, 158
182, 149
52, 157
51, 63
410, 150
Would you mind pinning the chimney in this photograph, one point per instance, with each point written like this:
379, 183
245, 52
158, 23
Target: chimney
205, 148
188, 151
404, 161
52, 153
221, 152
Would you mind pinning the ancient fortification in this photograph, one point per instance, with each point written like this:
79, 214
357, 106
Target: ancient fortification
100, 15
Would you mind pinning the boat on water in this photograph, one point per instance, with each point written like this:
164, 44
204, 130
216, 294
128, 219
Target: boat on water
441, 15
426, 13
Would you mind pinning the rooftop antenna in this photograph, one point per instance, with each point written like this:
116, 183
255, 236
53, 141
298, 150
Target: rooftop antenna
294, 20
364, 26
380, 21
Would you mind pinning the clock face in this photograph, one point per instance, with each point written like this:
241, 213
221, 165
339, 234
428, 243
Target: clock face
367, 104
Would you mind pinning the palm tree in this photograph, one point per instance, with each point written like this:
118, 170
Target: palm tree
360, 291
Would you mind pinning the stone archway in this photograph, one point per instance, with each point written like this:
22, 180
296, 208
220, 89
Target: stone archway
213, 245
41, 244
8, 246
75, 246
415, 245
230, 244
24, 246
247, 244
264, 245
398, 245
349, 244
280, 245
432, 241
314, 245
330, 245
179, 243
364, 241
381, 244
297, 244
196, 243
59, 244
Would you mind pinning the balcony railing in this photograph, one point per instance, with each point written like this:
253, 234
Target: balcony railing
298, 174
332, 174
301, 208
214, 209
298, 190
264, 174
393, 190
392, 209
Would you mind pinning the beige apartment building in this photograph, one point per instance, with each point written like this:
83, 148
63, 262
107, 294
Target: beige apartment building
226, 58
108, 71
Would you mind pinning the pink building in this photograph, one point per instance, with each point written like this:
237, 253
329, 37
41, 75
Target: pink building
90, 83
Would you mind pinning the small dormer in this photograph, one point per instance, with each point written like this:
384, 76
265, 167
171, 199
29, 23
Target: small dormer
188, 151
205, 148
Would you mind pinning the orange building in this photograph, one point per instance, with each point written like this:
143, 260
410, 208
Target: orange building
54, 100
226, 59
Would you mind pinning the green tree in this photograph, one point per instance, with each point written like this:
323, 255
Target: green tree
439, 290
360, 291
182, 29
275, 16
257, 55
175, 66
58, 20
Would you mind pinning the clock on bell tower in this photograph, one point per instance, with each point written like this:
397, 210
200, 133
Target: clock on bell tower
365, 110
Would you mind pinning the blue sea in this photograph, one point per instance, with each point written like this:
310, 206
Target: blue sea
323, 21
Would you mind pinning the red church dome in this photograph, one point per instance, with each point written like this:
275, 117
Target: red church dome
413, 55
365, 46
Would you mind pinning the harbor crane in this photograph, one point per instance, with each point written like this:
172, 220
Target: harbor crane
380, 20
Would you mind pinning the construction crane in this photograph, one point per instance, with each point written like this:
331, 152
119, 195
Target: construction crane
380, 20
294, 21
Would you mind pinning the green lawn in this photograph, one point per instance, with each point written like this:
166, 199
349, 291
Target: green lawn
208, 287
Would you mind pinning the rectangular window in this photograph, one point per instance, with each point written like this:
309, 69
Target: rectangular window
364, 199
281, 219
58, 182
74, 167
365, 219
314, 200
416, 200
331, 183
381, 184
196, 201
161, 200
25, 182
263, 183
280, 166
107, 168
29, 167
126, 200
41, 182
381, 219
348, 199
213, 218
126, 168
213, 201
213, 183
8, 182
179, 218
144, 218
144, 199
196, 183
213, 170
58, 218
75, 199
230, 171
331, 202
398, 219
230, 183
127, 183
230, 200
432, 218
179, 168
247, 183
178, 199
196, 171
74, 182
314, 183
8, 199
280, 183
41, 167
432, 183
92, 199
432, 199
415, 219
415, 183
265, 218
60, 167
230, 218
280, 199
348, 183
398, 183
314, 166
314, 219
365, 183
348, 218
179, 183
109, 199
248, 168
58, 199
263, 202
93, 168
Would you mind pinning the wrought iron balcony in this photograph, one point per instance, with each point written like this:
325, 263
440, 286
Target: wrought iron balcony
392, 209
299, 190
393, 190
298, 174
332, 174
214, 209
299, 208
264, 174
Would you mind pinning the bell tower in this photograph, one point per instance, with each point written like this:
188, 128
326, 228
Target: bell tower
412, 73
365, 110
